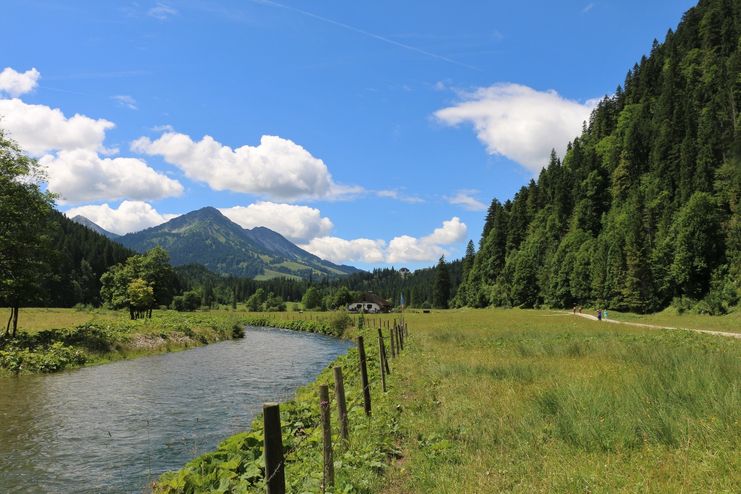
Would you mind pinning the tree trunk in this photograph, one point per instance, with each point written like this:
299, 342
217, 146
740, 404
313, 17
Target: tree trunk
131, 312
14, 313
10, 320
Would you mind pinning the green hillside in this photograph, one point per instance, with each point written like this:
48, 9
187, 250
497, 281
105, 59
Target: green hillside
209, 238
644, 207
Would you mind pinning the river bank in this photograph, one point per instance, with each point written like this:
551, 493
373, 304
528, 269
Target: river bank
237, 464
61, 339
115, 428
514, 400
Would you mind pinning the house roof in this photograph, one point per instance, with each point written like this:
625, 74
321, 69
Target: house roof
372, 298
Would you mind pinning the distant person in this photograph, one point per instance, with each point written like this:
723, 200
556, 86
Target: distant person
580, 309
599, 314
575, 310
604, 313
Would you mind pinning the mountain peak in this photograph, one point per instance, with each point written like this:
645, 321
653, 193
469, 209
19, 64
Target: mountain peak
207, 237
82, 220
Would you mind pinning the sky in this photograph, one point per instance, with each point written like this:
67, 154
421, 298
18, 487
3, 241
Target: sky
369, 133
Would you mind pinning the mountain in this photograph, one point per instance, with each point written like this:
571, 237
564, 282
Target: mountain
94, 226
644, 210
79, 256
209, 238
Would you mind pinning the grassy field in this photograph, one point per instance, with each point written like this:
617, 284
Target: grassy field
669, 317
532, 401
51, 340
516, 401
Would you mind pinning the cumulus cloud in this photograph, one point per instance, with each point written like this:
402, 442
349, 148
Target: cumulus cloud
403, 248
71, 149
82, 175
276, 168
39, 129
17, 83
429, 248
339, 250
297, 223
519, 122
130, 216
466, 199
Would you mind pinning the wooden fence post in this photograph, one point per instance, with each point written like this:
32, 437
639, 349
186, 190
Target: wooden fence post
384, 357
274, 472
339, 392
364, 377
392, 343
380, 356
328, 481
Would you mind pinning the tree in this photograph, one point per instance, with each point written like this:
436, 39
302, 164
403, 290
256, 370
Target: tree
141, 297
441, 294
312, 298
24, 245
698, 245
254, 303
154, 269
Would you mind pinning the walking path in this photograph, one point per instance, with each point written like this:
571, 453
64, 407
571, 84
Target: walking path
653, 326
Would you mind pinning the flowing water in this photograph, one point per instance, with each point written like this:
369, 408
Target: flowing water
116, 427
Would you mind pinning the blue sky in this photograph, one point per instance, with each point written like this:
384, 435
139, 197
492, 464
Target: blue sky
389, 125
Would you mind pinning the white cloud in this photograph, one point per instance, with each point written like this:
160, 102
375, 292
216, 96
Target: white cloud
297, 223
465, 198
126, 101
162, 11
519, 122
39, 128
130, 216
587, 8
429, 248
403, 248
17, 83
276, 168
339, 250
70, 149
82, 175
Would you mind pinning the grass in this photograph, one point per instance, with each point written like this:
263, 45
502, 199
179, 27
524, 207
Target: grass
670, 317
51, 340
528, 401
237, 464
514, 401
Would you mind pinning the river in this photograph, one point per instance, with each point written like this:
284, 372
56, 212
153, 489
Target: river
114, 428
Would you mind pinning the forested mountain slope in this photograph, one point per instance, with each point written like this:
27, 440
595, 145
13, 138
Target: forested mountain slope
207, 237
644, 207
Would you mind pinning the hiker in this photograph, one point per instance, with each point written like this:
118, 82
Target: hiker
599, 314
574, 309
604, 313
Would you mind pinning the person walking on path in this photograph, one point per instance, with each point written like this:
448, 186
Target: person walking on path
599, 314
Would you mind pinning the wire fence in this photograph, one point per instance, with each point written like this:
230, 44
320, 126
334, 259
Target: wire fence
398, 332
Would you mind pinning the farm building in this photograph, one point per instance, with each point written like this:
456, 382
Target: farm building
370, 303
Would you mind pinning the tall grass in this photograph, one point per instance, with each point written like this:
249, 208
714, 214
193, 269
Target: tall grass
524, 401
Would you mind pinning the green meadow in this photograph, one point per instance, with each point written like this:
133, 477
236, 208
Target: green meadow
533, 401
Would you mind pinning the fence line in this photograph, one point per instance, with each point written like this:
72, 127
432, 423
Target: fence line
275, 458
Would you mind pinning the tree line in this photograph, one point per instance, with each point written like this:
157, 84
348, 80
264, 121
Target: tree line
643, 210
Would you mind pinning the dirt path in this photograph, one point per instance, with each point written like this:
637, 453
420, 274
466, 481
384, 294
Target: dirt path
653, 326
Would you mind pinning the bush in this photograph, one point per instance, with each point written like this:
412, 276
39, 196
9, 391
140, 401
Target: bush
340, 321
